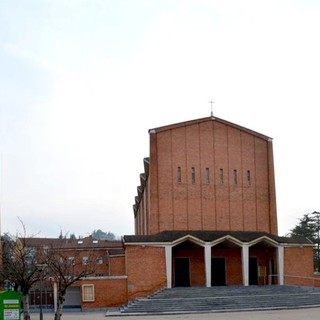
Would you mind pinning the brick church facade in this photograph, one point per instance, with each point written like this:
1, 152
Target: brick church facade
205, 213
207, 174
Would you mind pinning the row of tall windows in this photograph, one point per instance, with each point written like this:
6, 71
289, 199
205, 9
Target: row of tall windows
221, 176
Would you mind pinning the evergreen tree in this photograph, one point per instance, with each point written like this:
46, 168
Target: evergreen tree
101, 235
309, 227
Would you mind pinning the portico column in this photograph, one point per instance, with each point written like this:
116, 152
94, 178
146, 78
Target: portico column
245, 264
281, 264
168, 249
207, 259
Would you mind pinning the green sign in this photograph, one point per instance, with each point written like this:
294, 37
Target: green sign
10, 305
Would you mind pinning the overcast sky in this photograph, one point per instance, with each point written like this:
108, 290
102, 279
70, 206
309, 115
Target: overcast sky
82, 81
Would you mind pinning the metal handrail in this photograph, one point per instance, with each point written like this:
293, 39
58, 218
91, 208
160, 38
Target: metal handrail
313, 280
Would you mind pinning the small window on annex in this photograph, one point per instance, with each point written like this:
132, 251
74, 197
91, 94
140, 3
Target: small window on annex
71, 261
87, 292
99, 260
85, 260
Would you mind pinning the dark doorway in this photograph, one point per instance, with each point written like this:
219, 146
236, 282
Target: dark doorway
182, 272
272, 271
218, 272
253, 271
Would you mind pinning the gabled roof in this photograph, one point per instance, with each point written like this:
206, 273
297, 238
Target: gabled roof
214, 236
197, 121
86, 243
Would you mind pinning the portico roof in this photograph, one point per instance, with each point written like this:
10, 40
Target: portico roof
213, 236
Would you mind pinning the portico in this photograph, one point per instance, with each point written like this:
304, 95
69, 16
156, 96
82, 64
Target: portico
224, 261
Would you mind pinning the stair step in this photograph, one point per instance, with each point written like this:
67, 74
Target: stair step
215, 299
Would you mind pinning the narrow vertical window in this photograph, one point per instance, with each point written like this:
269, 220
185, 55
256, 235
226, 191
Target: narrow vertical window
221, 177
207, 176
235, 177
248, 179
193, 175
179, 174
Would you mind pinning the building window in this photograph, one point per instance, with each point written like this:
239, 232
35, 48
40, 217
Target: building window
221, 176
248, 179
235, 177
71, 261
85, 260
30, 251
179, 174
207, 176
99, 260
193, 175
88, 292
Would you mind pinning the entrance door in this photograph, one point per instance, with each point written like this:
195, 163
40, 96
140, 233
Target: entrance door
218, 272
182, 272
253, 271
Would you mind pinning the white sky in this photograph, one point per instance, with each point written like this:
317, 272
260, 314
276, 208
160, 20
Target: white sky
82, 81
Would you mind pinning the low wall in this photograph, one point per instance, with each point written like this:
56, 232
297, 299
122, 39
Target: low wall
108, 292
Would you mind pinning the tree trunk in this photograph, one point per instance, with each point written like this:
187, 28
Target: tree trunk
60, 302
25, 306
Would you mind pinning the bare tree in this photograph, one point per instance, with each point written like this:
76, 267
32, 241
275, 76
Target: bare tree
66, 271
19, 268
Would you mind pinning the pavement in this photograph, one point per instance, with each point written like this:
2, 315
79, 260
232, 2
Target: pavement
292, 314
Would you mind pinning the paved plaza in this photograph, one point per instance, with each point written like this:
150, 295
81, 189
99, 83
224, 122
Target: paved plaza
309, 313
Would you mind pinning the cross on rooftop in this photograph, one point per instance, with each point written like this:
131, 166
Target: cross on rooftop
211, 103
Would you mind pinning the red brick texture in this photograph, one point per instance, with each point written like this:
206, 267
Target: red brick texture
117, 266
146, 270
108, 292
232, 187
298, 266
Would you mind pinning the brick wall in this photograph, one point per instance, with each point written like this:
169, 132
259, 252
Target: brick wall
146, 270
298, 266
117, 266
109, 292
224, 202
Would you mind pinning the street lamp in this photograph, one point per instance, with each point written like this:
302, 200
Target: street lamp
40, 268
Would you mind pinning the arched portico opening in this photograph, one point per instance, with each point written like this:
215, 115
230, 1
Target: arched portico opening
226, 267
188, 264
263, 262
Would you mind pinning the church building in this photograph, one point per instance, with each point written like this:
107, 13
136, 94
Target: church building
205, 215
205, 212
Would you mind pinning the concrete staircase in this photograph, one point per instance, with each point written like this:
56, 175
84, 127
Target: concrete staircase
221, 299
